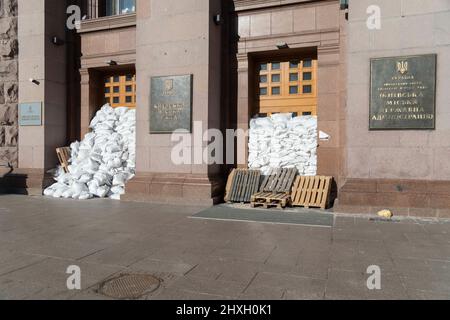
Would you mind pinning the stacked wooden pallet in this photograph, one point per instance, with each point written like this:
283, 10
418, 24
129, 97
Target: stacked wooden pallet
271, 199
279, 180
312, 192
275, 189
281, 188
242, 184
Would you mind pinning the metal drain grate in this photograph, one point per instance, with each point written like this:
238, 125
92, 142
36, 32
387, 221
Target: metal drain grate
130, 286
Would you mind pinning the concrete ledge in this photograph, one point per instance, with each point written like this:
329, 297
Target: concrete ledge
415, 198
175, 188
26, 181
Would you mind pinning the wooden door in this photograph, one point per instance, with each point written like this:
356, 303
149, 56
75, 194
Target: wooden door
120, 90
288, 86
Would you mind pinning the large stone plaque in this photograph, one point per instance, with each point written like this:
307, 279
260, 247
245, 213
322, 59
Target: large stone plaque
403, 93
30, 114
171, 104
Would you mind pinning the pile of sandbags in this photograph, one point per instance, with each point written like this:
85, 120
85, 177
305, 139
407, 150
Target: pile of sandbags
104, 161
281, 141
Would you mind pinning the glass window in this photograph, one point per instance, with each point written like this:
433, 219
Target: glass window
307, 113
263, 79
275, 78
116, 100
116, 79
307, 89
293, 90
107, 89
275, 66
263, 67
263, 91
129, 88
129, 77
293, 64
293, 77
116, 89
307, 63
129, 99
115, 7
307, 76
108, 80
127, 6
275, 91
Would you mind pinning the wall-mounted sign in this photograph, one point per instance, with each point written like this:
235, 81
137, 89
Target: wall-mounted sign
30, 114
403, 93
171, 104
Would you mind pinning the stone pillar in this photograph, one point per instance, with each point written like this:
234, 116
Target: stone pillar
40, 59
191, 48
8, 82
243, 105
91, 97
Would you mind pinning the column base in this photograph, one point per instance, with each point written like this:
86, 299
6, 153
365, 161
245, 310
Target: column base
175, 188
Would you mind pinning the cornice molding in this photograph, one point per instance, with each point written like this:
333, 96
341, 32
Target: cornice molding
243, 5
108, 23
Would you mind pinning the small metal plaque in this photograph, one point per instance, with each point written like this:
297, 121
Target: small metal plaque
403, 93
30, 114
171, 104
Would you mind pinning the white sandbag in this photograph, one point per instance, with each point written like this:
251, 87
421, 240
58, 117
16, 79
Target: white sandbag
283, 141
106, 155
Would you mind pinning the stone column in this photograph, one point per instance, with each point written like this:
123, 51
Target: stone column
8, 82
192, 48
243, 104
40, 59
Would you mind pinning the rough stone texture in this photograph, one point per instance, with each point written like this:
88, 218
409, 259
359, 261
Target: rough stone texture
8, 114
9, 155
8, 82
11, 92
2, 97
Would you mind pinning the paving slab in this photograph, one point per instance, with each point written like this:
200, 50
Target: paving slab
211, 259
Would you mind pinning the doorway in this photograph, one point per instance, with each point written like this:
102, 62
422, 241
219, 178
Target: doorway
120, 90
286, 85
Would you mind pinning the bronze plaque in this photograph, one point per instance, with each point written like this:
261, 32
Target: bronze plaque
403, 93
171, 104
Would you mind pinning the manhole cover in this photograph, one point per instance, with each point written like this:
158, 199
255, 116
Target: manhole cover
129, 286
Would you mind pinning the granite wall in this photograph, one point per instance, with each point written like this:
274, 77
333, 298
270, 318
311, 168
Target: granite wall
8, 82
410, 27
405, 170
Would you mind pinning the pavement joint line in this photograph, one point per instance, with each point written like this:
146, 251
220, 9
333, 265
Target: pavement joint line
90, 254
191, 269
262, 222
22, 268
270, 254
250, 282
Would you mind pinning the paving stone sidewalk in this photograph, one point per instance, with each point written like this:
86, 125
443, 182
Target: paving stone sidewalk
205, 259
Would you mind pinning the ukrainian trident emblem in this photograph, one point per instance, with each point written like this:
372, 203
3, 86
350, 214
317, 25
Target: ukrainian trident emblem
168, 85
402, 67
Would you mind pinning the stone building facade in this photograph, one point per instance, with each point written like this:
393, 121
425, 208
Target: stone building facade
224, 45
8, 83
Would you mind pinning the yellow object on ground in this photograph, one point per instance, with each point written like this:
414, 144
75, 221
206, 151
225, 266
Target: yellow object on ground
386, 214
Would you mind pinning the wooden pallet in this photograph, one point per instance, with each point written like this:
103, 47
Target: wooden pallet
64, 157
271, 199
229, 185
311, 192
279, 180
242, 184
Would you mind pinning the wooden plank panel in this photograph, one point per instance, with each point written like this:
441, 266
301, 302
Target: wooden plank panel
229, 185
312, 191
